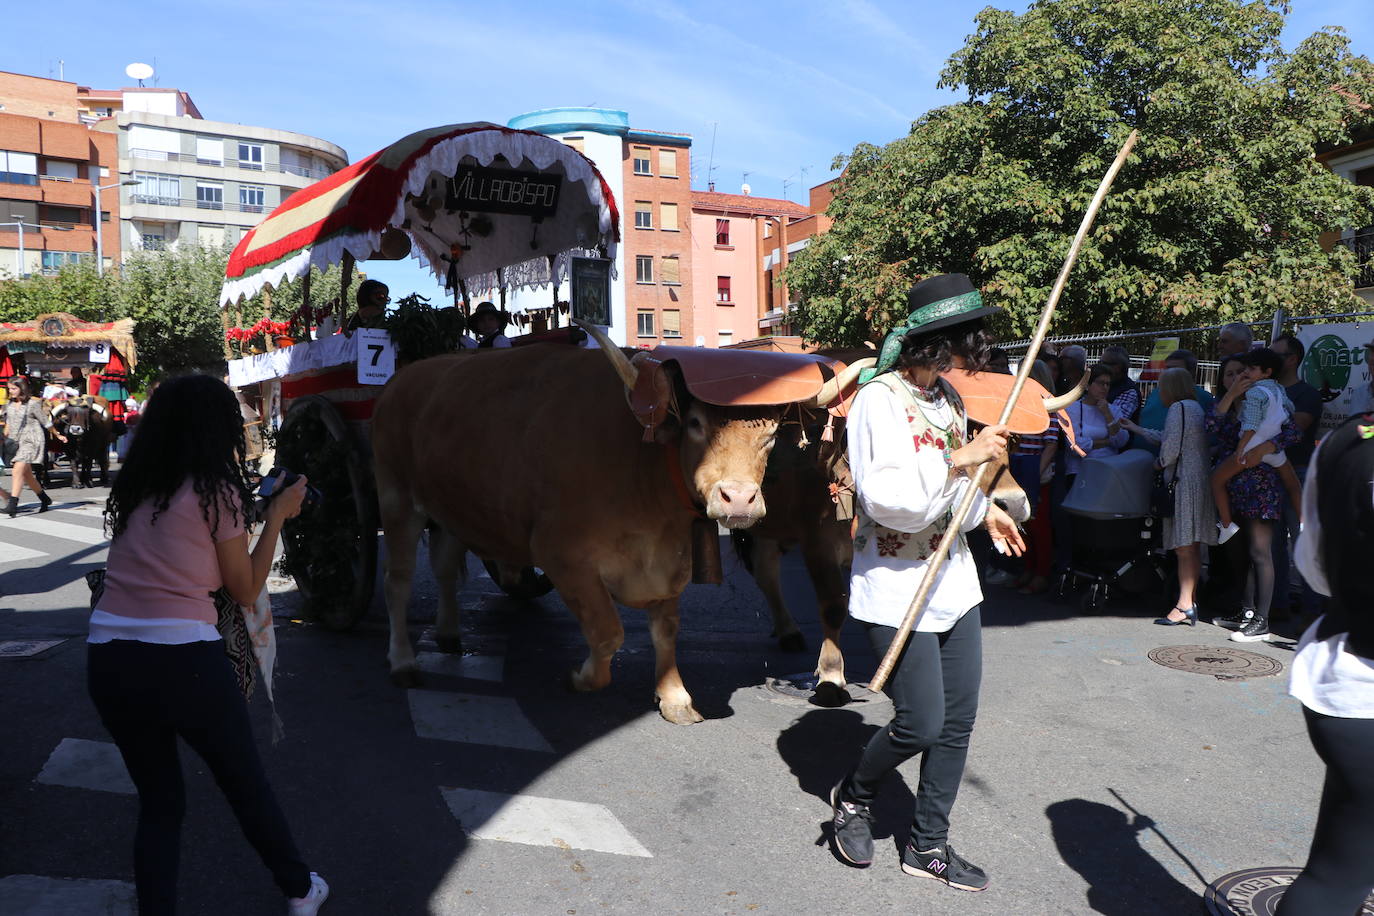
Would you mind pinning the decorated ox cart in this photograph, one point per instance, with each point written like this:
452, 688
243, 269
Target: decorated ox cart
485, 207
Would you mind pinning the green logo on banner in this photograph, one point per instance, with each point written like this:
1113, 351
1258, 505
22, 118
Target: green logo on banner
1328, 363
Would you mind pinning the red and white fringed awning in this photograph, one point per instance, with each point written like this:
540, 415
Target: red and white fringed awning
472, 198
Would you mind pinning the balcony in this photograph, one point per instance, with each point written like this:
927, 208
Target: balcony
160, 156
1362, 243
195, 203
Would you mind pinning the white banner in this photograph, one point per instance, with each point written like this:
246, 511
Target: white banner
1335, 365
334, 350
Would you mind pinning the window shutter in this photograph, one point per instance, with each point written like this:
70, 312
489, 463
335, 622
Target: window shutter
667, 163
667, 215
672, 323
670, 270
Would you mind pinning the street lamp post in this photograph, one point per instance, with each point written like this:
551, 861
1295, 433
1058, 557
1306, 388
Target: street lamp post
99, 235
21, 226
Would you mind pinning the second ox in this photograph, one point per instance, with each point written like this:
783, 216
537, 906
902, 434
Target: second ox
810, 491
547, 467
87, 424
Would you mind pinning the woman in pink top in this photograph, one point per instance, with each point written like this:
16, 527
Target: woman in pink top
178, 515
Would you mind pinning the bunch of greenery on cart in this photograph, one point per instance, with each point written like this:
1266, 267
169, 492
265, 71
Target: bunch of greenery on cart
420, 330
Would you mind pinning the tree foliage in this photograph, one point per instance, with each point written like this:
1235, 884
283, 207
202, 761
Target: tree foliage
1216, 216
173, 297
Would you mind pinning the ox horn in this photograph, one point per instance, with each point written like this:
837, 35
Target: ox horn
623, 368
831, 389
1064, 400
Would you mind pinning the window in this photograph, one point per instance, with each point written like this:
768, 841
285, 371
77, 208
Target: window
722, 289
61, 216
154, 241
723, 232
250, 156
672, 323
577, 143
768, 228
667, 163
210, 196
63, 171
251, 199
671, 274
157, 189
154, 143
727, 337
667, 217
210, 236
644, 214
18, 168
644, 324
209, 150
644, 268
642, 163
53, 261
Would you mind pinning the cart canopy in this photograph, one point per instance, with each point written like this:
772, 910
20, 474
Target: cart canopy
471, 200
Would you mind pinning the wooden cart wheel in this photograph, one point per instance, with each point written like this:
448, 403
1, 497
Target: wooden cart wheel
529, 585
331, 548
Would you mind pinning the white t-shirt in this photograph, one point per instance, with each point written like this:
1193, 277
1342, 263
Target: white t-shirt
906, 489
1324, 677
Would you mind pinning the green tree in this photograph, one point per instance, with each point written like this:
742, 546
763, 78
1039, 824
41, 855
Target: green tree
1216, 215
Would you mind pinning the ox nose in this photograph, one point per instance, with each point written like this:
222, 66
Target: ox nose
738, 503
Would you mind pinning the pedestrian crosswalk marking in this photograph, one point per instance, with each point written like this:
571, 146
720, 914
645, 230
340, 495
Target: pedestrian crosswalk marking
479, 667
83, 534
13, 553
474, 719
81, 764
36, 895
536, 821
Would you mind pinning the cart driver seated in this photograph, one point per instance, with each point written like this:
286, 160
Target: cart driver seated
487, 323
372, 297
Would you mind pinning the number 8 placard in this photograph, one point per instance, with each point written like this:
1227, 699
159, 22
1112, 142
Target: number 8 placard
376, 356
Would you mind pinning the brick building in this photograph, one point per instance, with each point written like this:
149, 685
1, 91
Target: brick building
649, 172
51, 162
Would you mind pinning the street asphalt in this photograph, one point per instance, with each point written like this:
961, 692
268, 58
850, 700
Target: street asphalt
1098, 781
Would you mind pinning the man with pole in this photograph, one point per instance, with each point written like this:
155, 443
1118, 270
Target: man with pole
905, 498
933, 657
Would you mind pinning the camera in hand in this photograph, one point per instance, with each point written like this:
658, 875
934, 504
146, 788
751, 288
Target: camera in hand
279, 479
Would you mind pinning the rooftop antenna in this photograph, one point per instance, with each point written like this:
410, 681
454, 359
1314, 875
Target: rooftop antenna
711, 160
138, 71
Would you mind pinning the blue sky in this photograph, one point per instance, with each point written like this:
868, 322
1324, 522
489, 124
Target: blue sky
785, 86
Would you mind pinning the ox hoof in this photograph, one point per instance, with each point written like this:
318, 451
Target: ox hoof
830, 695
680, 713
792, 642
453, 645
406, 677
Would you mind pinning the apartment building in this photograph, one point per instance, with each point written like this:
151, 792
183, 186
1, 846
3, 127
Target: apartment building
1355, 163
649, 172
51, 167
199, 181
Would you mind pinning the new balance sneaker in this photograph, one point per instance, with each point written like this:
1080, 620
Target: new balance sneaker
853, 828
1256, 629
309, 905
1235, 621
944, 864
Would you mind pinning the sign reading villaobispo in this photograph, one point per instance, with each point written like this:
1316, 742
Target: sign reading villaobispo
1335, 366
504, 191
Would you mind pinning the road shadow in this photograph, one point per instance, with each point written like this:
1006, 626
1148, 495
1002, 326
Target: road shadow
1102, 843
820, 747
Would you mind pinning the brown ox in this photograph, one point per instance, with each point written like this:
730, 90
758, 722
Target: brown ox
585, 498
802, 486
89, 428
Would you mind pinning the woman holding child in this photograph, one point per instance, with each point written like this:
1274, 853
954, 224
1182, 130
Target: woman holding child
1253, 498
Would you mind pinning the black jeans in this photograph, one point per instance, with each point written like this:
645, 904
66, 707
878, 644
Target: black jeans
149, 694
934, 689
1340, 868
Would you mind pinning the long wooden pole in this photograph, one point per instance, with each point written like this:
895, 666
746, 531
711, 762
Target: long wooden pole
937, 561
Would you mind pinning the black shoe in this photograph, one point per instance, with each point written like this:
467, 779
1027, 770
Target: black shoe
44, 501
1256, 629
853, 825
12, 507
1235, 621
944, 864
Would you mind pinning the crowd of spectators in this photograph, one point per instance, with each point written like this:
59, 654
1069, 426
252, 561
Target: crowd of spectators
1237, 455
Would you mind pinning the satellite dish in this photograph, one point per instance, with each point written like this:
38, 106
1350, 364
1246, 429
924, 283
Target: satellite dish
137, 71
745, 189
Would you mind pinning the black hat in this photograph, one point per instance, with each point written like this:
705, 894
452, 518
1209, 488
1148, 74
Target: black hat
935, 302
488, 308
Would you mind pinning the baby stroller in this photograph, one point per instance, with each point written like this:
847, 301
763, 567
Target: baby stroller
1115, 538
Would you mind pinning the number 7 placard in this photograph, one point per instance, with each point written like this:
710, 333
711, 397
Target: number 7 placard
376, 356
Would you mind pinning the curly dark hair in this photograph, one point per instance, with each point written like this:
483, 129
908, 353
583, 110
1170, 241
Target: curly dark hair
190, 428
937, 349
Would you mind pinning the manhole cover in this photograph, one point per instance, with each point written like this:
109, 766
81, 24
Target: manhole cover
27, 648
1222, 662
1256, 892
803, 688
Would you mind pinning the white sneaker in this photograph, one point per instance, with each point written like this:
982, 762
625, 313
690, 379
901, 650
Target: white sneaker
309, 905
1225, 534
